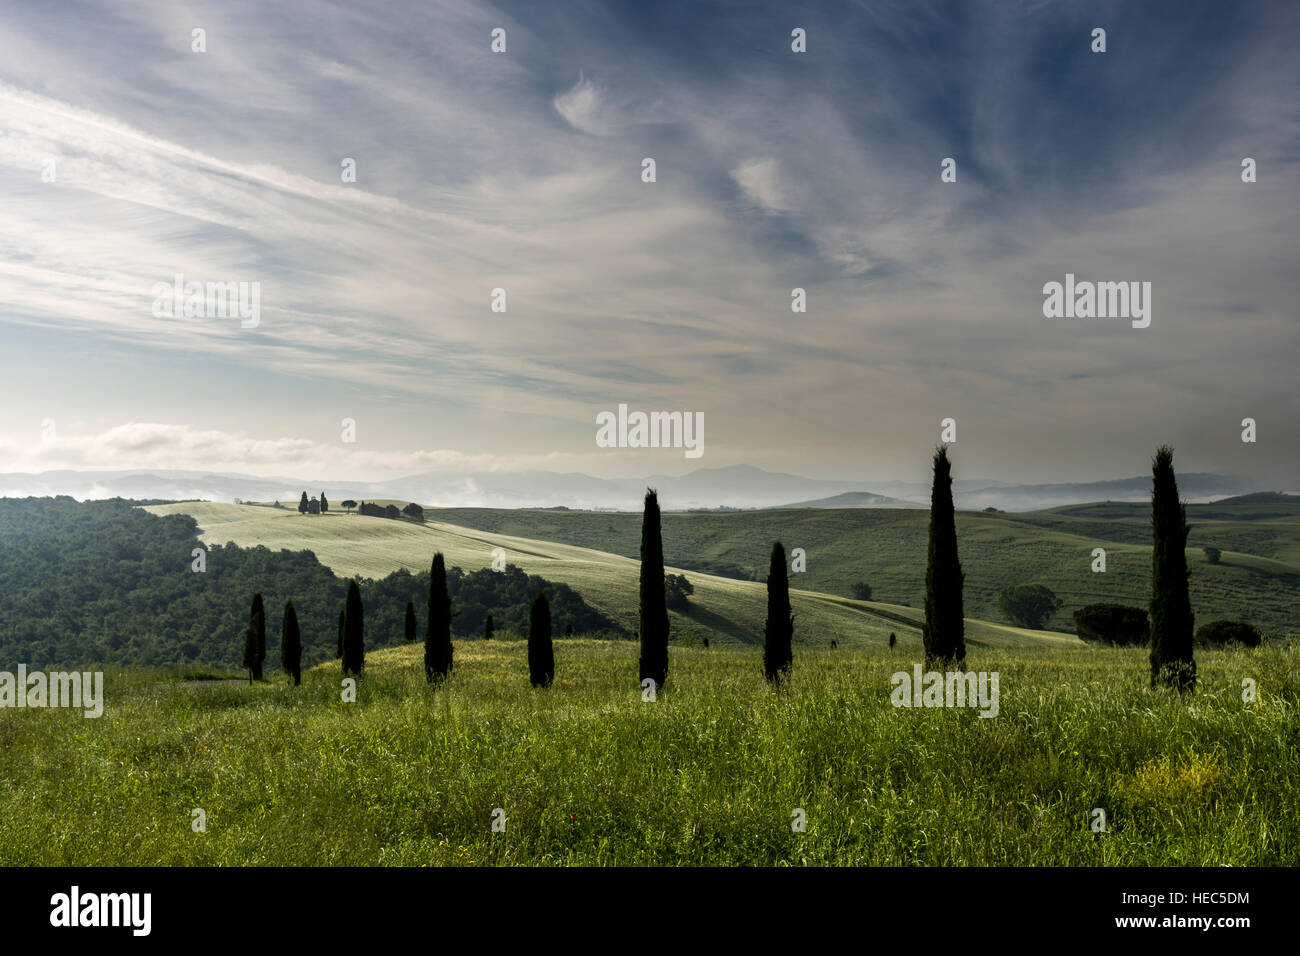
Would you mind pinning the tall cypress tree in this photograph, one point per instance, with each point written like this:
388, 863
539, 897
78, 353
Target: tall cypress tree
324, 504
541, 654
291, 645
488, 628
654, 605
255, 640
302, 504
354, 632
1171, 605
342, 621
778, 633
437, 636
944, 633
410, 622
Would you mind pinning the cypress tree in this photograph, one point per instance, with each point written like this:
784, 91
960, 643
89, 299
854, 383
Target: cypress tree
354, 632
488, 628
291, 645
654, 606
541, 654
302, 504
410, 622
944, 631
1171, 606
437, 637
255, 640
778, 633
342, 619
324, 505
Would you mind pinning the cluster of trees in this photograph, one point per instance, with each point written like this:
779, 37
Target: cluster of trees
412, 510
103, 582
314, 506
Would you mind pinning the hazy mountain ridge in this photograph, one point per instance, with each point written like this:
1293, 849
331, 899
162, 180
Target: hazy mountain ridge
737, 486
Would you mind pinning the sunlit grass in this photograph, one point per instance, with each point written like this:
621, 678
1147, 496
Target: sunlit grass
710, 773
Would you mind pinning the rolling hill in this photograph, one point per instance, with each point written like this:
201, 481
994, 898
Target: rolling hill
722, 608
1258, 578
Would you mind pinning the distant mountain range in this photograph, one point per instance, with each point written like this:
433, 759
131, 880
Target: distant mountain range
737, 486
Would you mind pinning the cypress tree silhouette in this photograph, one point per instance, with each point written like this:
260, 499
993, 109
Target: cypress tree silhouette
342, 620
654, 606
1171, 606
488, 628
892, 640
410, 622
944, 631
302, 505
541, 654
437, 637
354, 632
778, 633
291, 645
255, 640
324, 505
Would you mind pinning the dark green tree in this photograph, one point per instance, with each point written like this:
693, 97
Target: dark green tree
654, 607
409, 632
1029, 605
291, 645
354, 632
342, 623
437, 638
1212, 554
488, 628
324, 504
678, 591
778, 633
944, 634
255, 640
541, 654
893, 639
303, 504
1171, 605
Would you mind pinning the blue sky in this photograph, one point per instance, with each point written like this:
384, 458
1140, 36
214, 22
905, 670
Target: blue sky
522, 171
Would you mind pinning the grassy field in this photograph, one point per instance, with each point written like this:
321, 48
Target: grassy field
710, 773
1258, 578
724, 609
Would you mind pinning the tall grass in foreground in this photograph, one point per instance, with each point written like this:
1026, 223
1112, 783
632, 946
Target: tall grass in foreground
708, 774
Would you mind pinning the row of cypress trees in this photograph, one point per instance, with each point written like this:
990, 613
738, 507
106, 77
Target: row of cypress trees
438, 654
942, 634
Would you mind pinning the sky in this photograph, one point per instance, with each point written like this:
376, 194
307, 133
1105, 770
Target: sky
522, 170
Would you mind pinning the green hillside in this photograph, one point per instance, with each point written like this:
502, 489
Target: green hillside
1258, 579
709, 774
723, 608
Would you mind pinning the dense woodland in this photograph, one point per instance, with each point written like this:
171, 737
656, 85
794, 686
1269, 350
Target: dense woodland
103, 582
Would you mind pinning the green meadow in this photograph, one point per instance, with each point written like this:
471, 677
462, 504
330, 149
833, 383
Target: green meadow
711, 772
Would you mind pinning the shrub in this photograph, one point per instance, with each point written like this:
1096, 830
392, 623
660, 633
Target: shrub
1212, 554
1112, 624
1219, 633
861, 591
